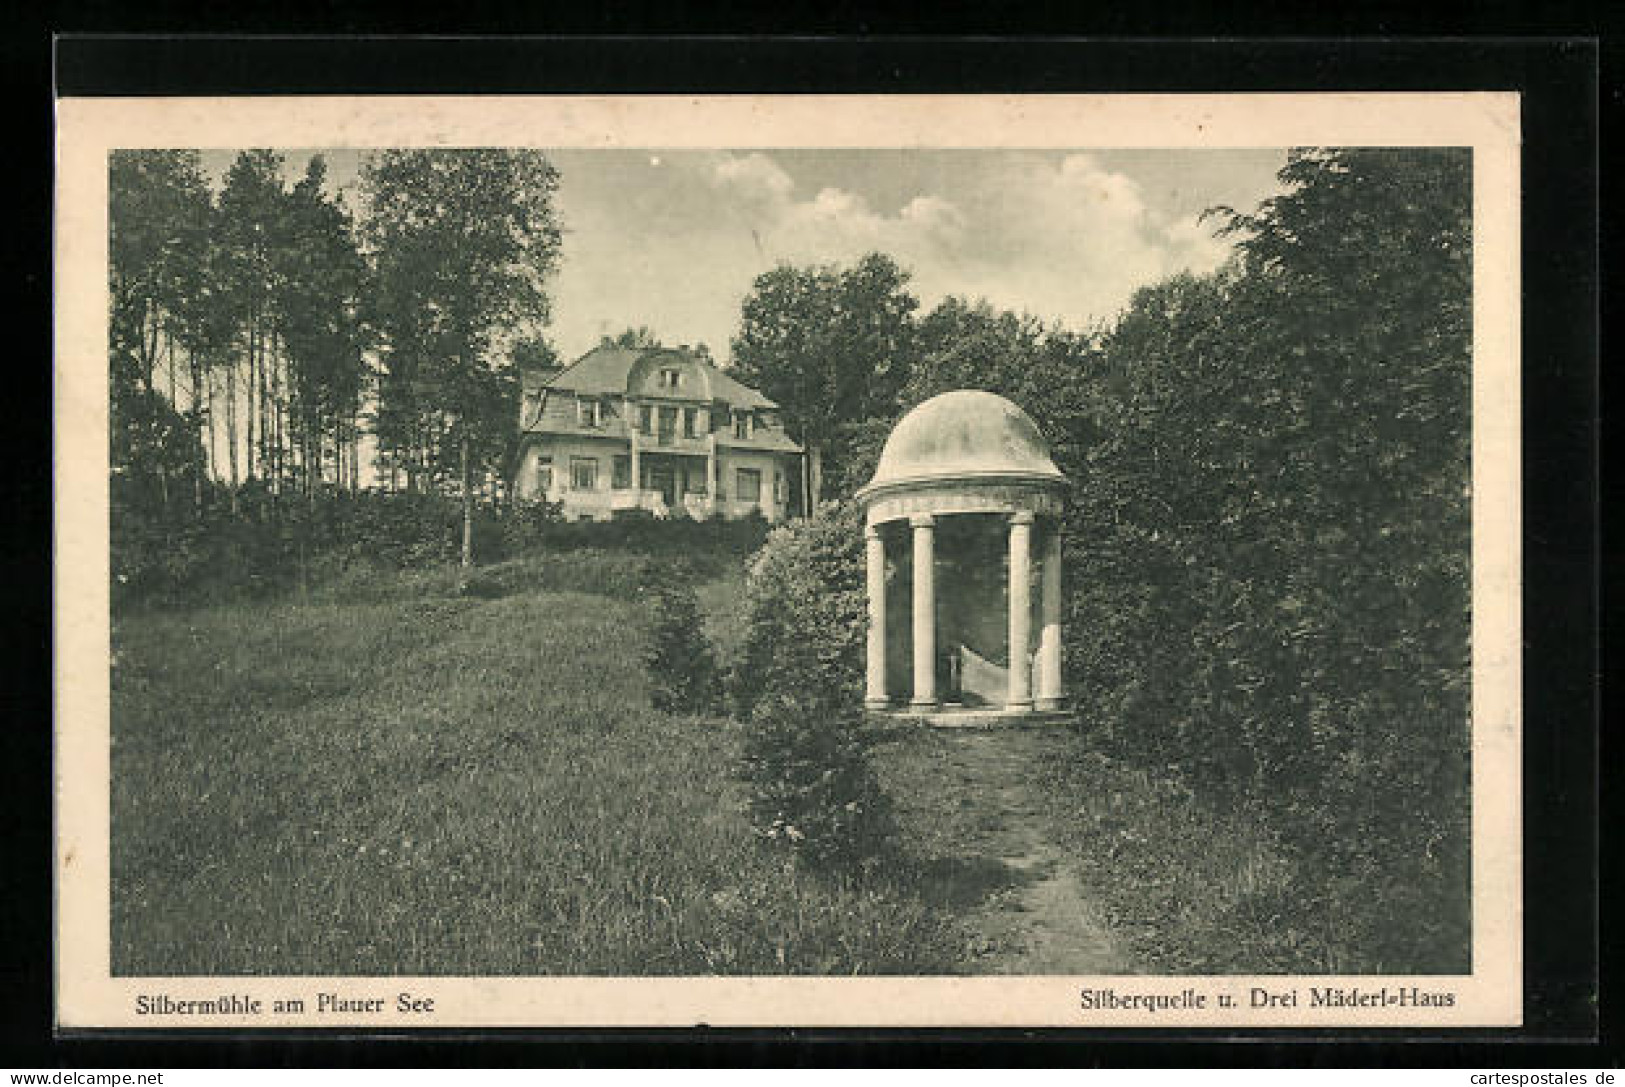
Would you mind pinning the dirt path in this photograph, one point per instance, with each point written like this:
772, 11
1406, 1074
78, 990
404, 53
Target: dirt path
988, 808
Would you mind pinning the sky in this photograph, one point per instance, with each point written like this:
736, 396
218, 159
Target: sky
673, 239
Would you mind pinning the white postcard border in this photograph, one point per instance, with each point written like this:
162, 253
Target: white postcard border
88, 996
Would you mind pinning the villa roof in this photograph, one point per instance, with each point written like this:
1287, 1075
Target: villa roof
550, 403
606, 371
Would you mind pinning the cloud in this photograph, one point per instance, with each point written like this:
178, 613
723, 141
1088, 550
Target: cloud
754, 177
1067, 239
833, 224
1073, 240
676, 245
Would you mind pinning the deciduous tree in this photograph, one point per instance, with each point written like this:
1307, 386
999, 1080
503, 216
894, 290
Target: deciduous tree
831, 345
463, 243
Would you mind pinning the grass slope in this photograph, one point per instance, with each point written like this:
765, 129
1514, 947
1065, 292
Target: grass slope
392, 779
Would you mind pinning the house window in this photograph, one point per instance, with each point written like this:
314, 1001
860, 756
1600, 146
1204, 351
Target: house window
589, 412
645, 419
669, 378
742, 424
688, 422
583, 474
621, 473
668, 425
544, 474
750, 485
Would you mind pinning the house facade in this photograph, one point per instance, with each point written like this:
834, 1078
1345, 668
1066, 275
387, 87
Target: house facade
656, 429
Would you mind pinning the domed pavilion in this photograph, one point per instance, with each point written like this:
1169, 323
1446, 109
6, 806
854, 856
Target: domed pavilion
962, 526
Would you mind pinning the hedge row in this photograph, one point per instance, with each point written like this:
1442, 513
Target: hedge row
263, 543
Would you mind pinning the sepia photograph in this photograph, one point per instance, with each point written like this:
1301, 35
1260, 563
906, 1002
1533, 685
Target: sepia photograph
784, 558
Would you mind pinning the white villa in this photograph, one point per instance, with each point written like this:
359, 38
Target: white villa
657, 429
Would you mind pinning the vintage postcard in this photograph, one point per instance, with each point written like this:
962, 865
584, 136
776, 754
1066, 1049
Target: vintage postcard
930, 561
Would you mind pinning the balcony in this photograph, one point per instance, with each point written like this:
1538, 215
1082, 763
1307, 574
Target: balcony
674, 442
601, 505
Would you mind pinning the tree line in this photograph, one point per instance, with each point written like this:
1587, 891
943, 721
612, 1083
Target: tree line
257, 332
846, 351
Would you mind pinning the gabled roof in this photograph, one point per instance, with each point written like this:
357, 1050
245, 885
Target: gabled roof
531, 381
606, 371
600, 371
725, 387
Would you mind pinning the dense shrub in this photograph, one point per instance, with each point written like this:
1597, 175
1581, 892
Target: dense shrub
1269, 545
405, 531
798, 686
806, 611
706, 546
170, 556
262, 542
162, 561
812, 786
180, 553
683, 674
524, 522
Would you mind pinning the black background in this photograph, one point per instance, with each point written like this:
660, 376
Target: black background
1559, 78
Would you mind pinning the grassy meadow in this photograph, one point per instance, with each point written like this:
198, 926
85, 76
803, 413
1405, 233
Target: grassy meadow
392, 779
386, 776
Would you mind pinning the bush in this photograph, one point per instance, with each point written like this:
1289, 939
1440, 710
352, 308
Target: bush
813, 789
406, 531
798, 685
524, 523
706, 546
806, 612
169, 558
683, 674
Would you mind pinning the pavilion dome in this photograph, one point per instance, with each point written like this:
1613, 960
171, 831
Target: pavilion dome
964, 435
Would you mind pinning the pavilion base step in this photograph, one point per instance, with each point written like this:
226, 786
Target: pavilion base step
965, 717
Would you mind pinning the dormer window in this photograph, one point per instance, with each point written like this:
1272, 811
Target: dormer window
670, 378
744, 424
589, 412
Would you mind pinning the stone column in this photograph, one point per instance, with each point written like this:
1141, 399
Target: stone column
711, 470
925, 610
1051, 691
874, 695
1021, 614
637, 467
